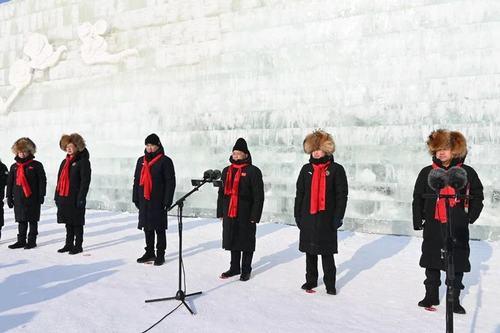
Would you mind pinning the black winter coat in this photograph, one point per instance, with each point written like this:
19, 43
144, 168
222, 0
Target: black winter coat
434, 230
238, 234
153, 213
318, 232
3, 182
71, 209
27, 209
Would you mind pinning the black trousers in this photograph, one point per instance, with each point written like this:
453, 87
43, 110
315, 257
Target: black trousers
329, 269
161, 244
74, 235
23, 230
246, 262
433, 279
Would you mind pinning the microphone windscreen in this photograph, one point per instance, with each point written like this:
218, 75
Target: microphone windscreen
457, 178
216, 174
437, 179
208, 174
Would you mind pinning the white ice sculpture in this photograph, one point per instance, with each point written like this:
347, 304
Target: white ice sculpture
95, 48
38, 55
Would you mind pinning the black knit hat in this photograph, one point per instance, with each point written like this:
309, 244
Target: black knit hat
153, 139
241, 145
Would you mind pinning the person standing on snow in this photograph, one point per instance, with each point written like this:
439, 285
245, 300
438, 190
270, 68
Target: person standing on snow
73, 182
448, 150
239, 204
26, 186
152, 194
320, 204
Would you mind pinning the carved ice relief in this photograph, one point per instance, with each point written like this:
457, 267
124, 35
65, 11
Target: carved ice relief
39, 55
94, 49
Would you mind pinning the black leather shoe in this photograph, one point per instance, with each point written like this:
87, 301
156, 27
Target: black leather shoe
146, 257
228, 274
331, 291
309, 285
76, 250
65, 248
245, 277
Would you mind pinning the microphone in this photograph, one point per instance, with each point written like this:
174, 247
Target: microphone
208, 174
216, 174
437, 179
457, 178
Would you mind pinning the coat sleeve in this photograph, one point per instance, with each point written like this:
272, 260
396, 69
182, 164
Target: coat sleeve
418, 203
257, 196
169, 177
10, 186
4, 173
137, 177
84, 181
42, 181
476, 191
220, 195
299, 197
341, 191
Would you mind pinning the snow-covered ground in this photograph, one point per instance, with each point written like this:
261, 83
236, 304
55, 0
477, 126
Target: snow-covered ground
379, 283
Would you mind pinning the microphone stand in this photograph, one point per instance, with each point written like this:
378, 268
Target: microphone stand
449, 243
181, 294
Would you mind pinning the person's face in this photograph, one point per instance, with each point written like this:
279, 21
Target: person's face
70, 149
444, 155
318, 154
23, 154
151, 148
238, 155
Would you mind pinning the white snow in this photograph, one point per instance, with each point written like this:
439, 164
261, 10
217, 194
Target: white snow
379, 283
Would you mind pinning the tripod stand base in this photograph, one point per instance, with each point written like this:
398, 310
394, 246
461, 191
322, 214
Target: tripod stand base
180, 296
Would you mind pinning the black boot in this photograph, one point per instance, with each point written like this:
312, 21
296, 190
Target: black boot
70, 238
160, 258
457, 308
31, 244
78, 229
21, 242
32, 236
431, 297
309, 285
147, 256
229, 273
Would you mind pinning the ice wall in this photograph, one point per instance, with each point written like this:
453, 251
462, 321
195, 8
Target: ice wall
378, 74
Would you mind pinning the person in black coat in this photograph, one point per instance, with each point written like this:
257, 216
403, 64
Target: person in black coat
448, 150
73, 182
320, 204
153, 192
239, 205
26, 185
4, 172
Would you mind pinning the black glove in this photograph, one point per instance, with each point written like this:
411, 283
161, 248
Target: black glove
418, 226
337, 222
81, 204
136, 204
10, 203
41, 200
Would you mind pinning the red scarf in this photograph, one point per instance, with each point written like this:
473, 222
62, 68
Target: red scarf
231, 187
440, 213
21, 178
146, 179
63, 181
318, 187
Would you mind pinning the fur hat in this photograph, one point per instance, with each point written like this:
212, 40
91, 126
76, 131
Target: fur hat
319, 140
24, 145
444, 139
75, 139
